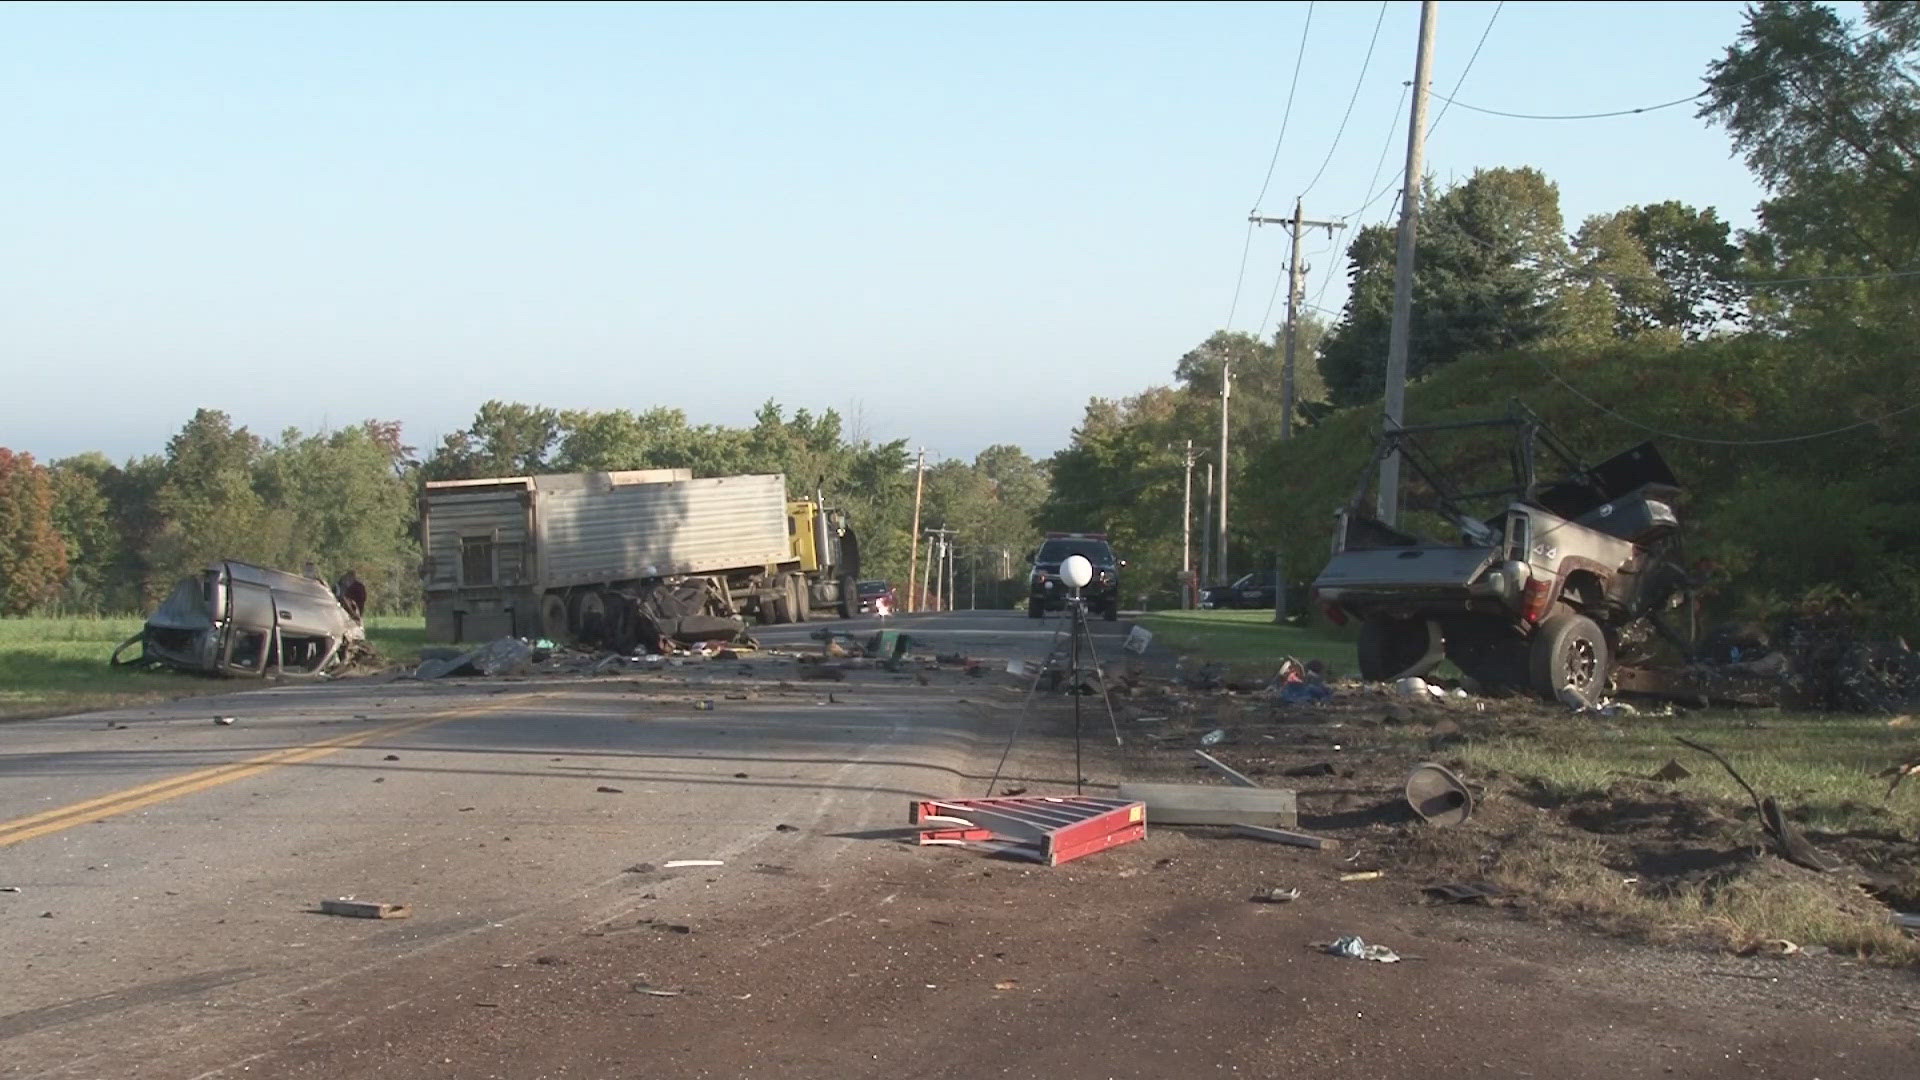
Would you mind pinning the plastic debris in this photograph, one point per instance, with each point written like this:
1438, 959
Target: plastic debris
676, 864
1214, 737
1138, 639
1275, 895
1352, 947
223, 721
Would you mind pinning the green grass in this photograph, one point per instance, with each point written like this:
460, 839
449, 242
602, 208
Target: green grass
1244, 639
52, 667
1818, 765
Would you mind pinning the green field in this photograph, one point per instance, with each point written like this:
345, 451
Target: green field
51, 667
1245, 639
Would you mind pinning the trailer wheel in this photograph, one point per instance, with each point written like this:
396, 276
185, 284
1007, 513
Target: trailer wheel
802, 603
553, 619
849, 598
1570, 651
589, 616
1388, 647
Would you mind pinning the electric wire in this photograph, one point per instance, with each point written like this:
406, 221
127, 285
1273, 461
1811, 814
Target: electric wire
1358, 81
1240, 279
1465, 70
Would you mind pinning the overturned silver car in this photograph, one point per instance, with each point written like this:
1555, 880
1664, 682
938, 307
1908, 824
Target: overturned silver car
238, 619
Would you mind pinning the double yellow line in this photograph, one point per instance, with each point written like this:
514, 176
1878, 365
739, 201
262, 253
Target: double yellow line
121, 802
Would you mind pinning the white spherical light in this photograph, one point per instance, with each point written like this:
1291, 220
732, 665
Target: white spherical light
1076, 571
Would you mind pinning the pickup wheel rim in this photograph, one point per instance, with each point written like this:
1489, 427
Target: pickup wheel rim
1583, 663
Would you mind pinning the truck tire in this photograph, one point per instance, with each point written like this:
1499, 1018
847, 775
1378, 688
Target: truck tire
1111, 612
1035, 609
554, 624
1390, 646
849, 598
797, 599
586, 613
1570, 650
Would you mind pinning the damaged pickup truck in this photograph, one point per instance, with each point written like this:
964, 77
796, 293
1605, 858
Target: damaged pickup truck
238, 619
1544, 586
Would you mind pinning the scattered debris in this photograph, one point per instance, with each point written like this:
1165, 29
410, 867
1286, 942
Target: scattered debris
1214, 737
1007, 984
1363, 875
9, 888
655, 991
1416, 687
223, 721
1354, 948
1318, 768
823, 673
1194, 804
1234, 776
364, 909
606, 790
1275, 895
1463, 892
1047, 829
1671, 772
1283, 836
641, 868
1438, 796
1792, 846
1771, 947
391, 757
675, 864
1138, 639
784, 827
1899, 772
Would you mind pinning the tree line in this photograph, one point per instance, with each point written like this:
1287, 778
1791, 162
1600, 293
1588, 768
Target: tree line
83, 535
1653, 321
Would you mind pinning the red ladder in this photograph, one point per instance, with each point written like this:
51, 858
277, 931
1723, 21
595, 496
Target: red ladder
1047, 829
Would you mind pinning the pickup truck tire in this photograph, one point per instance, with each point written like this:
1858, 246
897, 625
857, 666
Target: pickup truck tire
1390, 646
1570, 650
1035, 609
1112, 611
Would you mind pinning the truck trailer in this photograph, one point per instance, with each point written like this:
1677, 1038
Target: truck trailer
576, 557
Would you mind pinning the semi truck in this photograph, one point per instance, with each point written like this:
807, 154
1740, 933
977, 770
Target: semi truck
572, 557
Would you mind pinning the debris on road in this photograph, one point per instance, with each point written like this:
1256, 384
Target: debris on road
1318, 768
364, 909
1214, 737
1047, 829
1283, 836
675, 864
1463, 892
655, 991
1438, 796
1194, 804
606, 790
1234, 776
1671, 772
1275, 895
1138, 639
1354, 948
224, 721
1363, 875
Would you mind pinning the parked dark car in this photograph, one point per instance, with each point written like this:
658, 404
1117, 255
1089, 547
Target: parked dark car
876, 597
1046, 592
1253, 590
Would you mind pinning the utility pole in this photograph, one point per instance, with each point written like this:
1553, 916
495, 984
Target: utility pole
1296, 289
913, 565
940, 565
1206, 525
1226, 392
926, 571
1389, 507
1186, 535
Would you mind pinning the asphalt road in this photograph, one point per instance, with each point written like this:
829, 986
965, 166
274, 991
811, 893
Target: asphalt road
167, 866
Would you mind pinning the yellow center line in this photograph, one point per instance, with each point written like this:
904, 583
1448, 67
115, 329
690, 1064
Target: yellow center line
120, 802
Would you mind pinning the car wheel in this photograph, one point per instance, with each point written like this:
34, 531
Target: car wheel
1570, 652
1389, 647
1035, 609
1112, 611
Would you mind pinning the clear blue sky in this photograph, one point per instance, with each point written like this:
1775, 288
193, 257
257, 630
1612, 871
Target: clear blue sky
956, 222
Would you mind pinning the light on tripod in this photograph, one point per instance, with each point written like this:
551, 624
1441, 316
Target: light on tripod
1076, 571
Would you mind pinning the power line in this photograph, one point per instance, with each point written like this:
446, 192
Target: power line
1288, 113
1240, 279
1463, 71
1355, 96
1680, 437
1577, 116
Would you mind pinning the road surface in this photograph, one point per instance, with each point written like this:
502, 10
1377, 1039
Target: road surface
167, 865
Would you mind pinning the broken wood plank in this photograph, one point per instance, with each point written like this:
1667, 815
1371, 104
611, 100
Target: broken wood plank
1282, 836
364, 909
1194, 804
1233, 775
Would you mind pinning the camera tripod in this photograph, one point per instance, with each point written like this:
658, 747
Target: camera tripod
1080, 656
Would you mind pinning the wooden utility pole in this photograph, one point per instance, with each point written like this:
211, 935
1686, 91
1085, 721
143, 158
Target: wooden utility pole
1186, 535
1206, 525
1226, 392
1396, 403
913, 564
1296, 290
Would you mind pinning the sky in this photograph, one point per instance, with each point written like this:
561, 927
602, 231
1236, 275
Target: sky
952, 223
